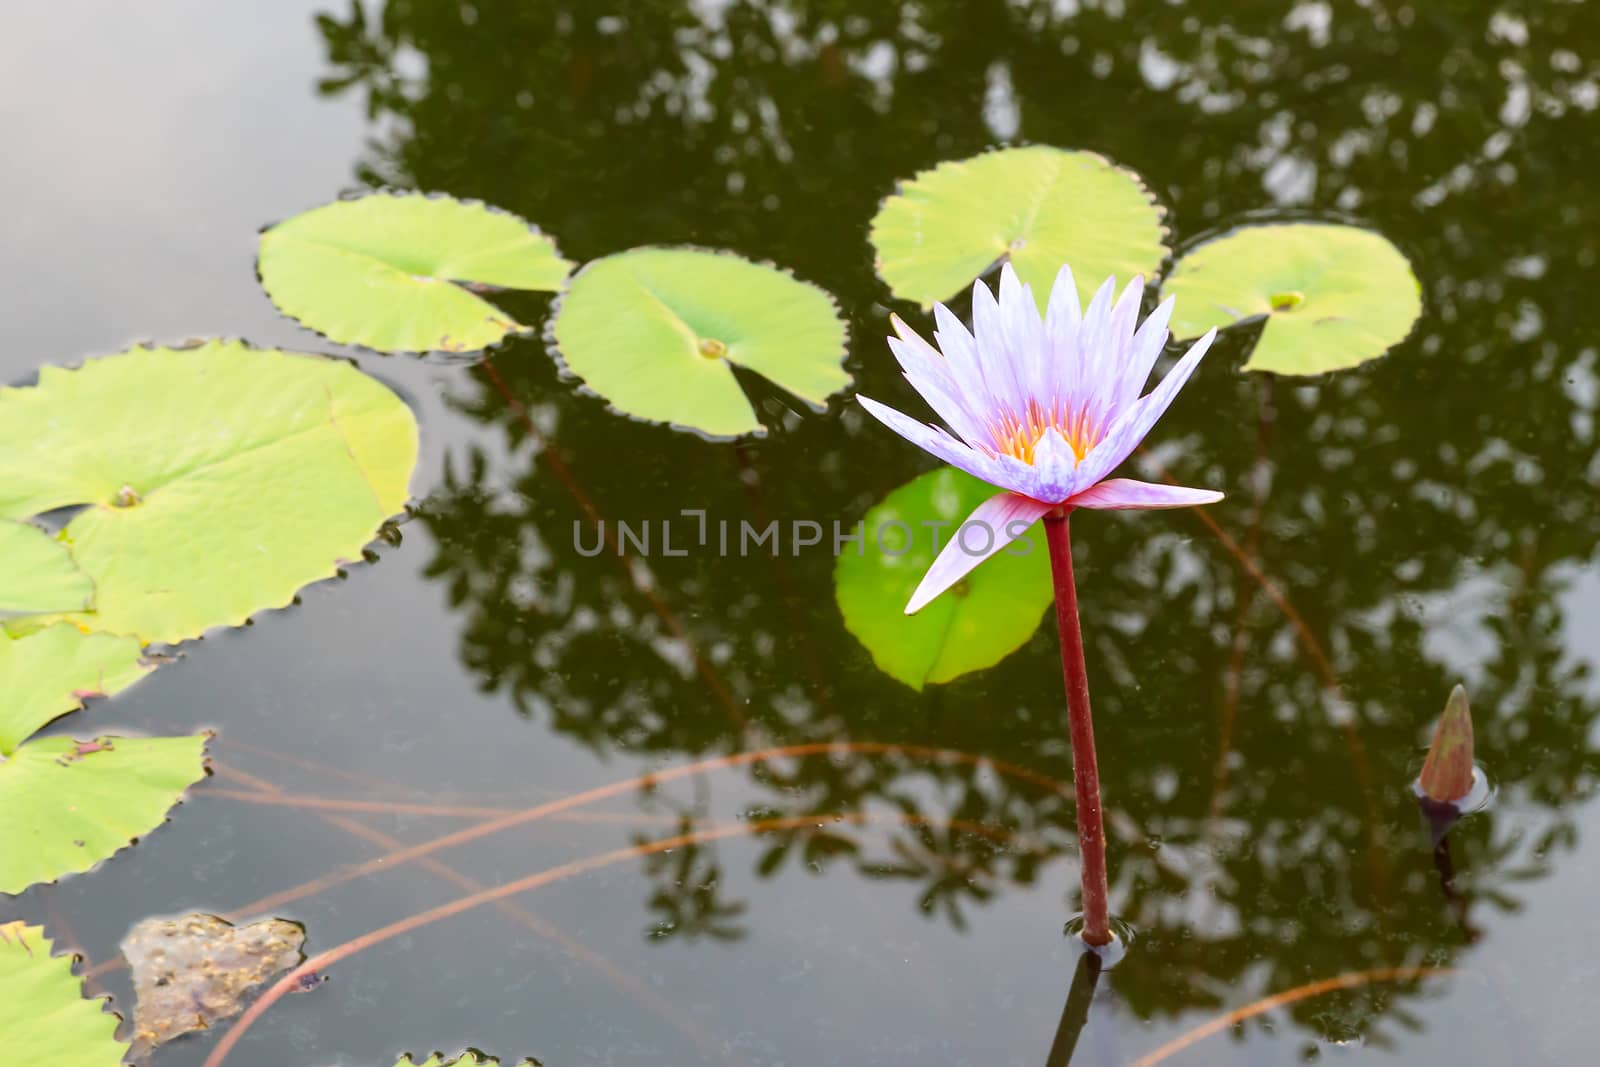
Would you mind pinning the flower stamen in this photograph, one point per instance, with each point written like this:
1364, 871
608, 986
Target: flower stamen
1020, 437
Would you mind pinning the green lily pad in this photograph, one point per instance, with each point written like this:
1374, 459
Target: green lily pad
1334, 296
655, 330
382, 271
37, 573
216, 480
47, 674
43, 1013
71, 804
988, 615
1038, 206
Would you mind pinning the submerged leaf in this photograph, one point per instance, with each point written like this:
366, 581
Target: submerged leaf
44, 1018
46, 674
71, 804
382, 271
217, 480
654, 331
1037, 206
192, 971
983, 619
1448, 771
1334, 296
37, 574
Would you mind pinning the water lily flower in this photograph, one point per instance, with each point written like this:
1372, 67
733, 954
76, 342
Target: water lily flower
1044, 407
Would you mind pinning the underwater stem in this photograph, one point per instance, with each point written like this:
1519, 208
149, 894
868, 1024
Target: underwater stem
1085, 769
1075, 1016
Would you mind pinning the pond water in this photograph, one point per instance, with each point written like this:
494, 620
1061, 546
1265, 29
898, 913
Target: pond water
1429, 518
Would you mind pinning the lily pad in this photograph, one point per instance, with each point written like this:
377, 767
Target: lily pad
1333, 296
37, 573
193, 971
1037, 206
657, 331
71, 804
983, 619
46, 674
215, 481
384, 271
43, 1013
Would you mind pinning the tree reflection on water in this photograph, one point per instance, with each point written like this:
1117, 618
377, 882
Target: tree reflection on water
1423, 516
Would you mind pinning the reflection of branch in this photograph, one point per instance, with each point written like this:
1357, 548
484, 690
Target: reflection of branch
387, 807
1076, 1012
623, 980
1330, 680
1262, 477
545, 452
322, 961
390, 860
377, 786
1350, 980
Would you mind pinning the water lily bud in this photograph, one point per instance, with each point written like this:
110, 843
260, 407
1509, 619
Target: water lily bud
1447, 772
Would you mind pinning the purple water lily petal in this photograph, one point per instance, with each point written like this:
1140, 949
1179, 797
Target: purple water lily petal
1136, 421
1053, 475
961, 352
930, 375
932, 439
995, 523
1062, 320
1143, 351
1127, 494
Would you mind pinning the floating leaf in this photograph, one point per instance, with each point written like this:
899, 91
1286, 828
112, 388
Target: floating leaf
218, 480
37, 573
44, 1018
654, 331
71, 804
1039, 206
980, 621
195, 970
46, 674
382, 271
1447, 774
1333, 296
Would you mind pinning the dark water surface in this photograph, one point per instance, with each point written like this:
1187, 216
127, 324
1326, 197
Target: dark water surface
1431, 518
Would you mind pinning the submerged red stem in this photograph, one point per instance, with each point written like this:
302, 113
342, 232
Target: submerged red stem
1085, 768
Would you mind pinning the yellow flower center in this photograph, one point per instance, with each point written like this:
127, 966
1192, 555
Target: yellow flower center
1020, 437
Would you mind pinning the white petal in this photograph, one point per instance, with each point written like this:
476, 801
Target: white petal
932, 440
995, 354
1143, 353
1054, 474
1092, 340
995, 523
962, 353
929, 374
1126, 494
1062, 321
1025, 333
1133, 424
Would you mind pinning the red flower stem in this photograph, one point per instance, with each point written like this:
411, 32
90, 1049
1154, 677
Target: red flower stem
1085, 770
